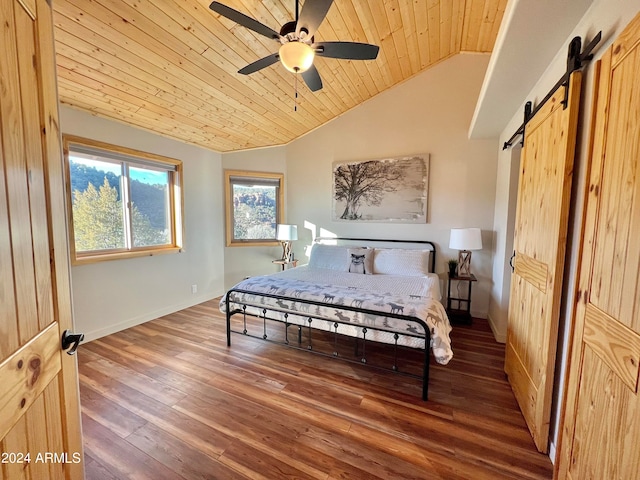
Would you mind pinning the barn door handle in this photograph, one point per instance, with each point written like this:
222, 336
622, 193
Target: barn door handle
71, 340
511, 261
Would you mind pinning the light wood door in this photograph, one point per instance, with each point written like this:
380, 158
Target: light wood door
544, 190
39, 407
601, 428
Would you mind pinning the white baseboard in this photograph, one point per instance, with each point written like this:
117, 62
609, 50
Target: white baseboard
132, 322
499, 336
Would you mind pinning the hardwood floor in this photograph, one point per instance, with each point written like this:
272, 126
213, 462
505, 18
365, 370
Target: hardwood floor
168, 399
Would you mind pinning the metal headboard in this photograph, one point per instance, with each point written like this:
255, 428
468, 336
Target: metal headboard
432, 266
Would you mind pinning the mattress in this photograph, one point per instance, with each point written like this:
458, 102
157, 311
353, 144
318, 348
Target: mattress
417, 297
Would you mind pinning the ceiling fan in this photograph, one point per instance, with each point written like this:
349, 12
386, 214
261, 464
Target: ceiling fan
297, 46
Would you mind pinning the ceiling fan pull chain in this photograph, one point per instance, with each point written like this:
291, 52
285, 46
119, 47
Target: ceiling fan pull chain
295, 99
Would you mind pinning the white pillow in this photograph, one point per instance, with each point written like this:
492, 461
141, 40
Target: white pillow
397, 261
331, 257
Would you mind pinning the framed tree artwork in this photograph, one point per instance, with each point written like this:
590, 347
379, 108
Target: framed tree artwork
385, 190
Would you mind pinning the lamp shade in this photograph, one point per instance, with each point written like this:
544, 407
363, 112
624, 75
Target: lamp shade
465, 239
287, 232
296, 57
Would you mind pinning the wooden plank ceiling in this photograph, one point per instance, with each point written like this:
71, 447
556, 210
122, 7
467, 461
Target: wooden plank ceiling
170, 66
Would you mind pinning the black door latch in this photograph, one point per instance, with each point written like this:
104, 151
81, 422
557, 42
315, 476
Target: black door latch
71, 340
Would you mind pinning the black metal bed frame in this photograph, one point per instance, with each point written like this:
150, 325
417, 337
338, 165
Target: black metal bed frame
364, 329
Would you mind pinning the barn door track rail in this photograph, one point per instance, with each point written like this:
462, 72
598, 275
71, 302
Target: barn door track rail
575, 61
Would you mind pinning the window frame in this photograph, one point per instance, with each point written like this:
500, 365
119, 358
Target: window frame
131, 158
229, 210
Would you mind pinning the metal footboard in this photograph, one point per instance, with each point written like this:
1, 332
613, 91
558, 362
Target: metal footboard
307, 319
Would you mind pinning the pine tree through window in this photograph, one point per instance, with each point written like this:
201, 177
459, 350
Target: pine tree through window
122, 202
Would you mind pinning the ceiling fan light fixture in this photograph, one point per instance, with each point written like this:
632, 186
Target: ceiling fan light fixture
297, 57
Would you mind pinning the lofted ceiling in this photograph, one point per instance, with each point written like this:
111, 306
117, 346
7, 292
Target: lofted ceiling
170, 66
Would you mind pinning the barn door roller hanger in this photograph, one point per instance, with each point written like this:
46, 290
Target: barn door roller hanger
575, 61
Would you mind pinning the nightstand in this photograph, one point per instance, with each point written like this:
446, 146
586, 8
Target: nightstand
462, 312
286, 263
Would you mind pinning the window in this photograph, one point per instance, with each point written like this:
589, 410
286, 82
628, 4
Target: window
122, 203
254, 207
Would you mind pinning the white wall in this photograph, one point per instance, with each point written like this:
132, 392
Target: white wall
610, 16
504, 221
429, 113
244, 261
113, 295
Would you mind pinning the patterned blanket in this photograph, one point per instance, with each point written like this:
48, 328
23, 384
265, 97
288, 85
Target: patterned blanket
382, 301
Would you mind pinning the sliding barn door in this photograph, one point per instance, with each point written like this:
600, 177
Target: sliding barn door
39, 408
544, 191
601, 430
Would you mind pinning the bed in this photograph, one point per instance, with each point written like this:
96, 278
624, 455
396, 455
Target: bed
373, 294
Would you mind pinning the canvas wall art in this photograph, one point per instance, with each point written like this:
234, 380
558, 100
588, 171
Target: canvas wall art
385, 190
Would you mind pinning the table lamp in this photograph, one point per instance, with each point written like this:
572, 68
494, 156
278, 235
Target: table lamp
465, 240
286, 233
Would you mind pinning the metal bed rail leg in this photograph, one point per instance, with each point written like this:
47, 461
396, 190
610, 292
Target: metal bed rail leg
395, 352
228, 312
364, 345
264, 323
425, 373
286, 328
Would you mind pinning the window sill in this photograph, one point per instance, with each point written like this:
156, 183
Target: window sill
105, 257
266, 243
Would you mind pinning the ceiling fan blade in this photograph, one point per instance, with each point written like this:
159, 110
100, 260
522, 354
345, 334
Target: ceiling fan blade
312, 15
259, 64
312, 78
347, 50
242, 19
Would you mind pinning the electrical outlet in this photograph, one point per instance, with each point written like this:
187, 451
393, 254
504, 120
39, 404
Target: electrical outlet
194, 288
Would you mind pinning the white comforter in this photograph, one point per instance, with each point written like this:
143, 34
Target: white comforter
412, 296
